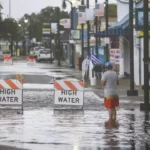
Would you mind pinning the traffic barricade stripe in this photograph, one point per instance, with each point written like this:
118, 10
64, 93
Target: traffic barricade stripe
63, 85
1, 87
4, 84
57, 86
81, 84
7, 58
69, 85
31, 58
10, 84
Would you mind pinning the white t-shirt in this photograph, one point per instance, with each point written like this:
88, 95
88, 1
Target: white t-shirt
110, 77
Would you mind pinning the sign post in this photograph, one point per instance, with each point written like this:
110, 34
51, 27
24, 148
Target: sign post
69, 93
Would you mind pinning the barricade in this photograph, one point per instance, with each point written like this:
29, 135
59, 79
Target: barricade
31, 60
8, 60
69, 93
11, 93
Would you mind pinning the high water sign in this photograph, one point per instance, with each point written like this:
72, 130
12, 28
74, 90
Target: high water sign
10, 92
69, 93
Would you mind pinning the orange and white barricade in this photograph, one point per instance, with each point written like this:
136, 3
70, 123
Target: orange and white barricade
69, 93
31, 60
8, 60
11, 93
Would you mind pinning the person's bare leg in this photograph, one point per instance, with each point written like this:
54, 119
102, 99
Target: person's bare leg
110, 114
114, 114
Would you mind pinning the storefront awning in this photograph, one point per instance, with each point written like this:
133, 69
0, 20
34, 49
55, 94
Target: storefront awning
118, 29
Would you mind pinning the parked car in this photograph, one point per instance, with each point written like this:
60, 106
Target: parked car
44, 55
36, 50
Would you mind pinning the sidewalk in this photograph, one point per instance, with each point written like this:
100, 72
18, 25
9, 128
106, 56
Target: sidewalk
124, 85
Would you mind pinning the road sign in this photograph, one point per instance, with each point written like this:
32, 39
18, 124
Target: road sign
8, 60
69, 93
11, 92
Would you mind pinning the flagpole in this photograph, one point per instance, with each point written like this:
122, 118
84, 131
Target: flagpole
96, 20
88, 34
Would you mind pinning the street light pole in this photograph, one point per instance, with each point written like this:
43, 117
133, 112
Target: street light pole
82, 43
132, 91
82, 28
106, 13
96, 25
88, 33
73, 66
146, 105
59, 50
51, 61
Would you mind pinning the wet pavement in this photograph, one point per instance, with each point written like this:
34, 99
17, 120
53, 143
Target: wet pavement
41, 127
46, 129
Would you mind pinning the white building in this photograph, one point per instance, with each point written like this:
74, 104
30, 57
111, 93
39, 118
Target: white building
123, 10
121, 29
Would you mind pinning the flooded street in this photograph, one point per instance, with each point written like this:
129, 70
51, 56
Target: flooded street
41, 127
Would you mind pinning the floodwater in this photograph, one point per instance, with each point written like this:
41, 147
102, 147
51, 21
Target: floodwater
43, 128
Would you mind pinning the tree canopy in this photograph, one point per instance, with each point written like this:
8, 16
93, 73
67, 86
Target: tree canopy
36, 21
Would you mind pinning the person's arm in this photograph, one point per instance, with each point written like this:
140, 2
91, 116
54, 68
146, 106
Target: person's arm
103, 80
117, 82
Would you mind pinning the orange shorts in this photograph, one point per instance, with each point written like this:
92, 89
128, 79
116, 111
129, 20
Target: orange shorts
111, 101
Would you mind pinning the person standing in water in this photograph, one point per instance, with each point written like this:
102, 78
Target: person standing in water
111, 100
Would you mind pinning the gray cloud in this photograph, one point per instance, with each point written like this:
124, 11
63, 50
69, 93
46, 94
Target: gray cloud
20, 7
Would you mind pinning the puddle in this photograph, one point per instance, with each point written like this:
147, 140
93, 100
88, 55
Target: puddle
74, 130
56, 71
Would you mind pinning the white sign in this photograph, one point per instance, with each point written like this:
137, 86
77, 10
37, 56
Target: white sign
54, 27
90, 14
115, 56
10, 97
68, 97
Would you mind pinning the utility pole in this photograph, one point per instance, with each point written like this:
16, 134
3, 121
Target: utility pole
99, 31
72, 47
146, 105
82, 28
82, 42
51, 61
106, 15
96, 25
132, 91
88, 33
71, 18
59, 49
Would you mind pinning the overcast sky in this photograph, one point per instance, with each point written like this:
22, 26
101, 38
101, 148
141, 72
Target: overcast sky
20, 7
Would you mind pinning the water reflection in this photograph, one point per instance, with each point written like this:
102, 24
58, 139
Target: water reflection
68, 112
146, 128
111, 136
